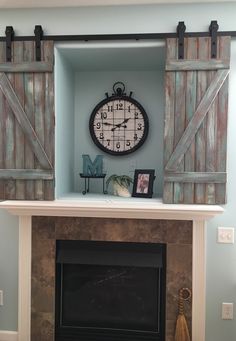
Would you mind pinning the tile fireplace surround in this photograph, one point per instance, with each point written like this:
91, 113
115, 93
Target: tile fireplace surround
180, 227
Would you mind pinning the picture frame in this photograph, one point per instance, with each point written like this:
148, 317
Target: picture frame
143, 183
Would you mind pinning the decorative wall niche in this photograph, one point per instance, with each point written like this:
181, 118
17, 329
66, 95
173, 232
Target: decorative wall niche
84, 72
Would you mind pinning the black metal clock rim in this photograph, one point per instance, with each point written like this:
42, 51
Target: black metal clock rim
113, 98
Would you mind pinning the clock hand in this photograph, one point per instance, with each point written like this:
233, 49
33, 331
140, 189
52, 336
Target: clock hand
121, 124
108, 124
125, 121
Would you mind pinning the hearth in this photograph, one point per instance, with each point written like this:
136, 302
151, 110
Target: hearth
110, 291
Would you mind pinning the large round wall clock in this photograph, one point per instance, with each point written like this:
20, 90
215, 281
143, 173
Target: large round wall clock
119, 124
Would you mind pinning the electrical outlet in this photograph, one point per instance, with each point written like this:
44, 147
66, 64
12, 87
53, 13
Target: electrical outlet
227, 311
225, 235
1, 297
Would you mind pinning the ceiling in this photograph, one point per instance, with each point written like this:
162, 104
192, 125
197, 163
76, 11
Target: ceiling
114, 56
76, 3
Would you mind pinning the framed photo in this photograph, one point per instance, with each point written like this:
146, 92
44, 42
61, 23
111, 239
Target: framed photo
143, 183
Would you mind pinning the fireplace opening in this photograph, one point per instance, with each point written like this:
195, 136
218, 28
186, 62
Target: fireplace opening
110, 291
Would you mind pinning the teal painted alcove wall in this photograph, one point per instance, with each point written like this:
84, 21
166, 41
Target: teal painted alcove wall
83, 75
148, 90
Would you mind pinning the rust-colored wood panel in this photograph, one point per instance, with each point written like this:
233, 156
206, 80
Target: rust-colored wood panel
29, 110
18, 111
49, 137
2, 124
191, 64
39, 103
10, 185
27, 124
171, 52
203, 53
19, 66
221, 122
197, 120
191, 89
196, 177
211, 130
26, 174
19, 135
198, 160
180, 112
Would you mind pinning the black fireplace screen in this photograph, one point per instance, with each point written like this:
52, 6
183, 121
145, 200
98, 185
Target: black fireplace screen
113, 288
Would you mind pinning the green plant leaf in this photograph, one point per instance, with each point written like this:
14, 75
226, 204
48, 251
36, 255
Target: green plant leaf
122, 180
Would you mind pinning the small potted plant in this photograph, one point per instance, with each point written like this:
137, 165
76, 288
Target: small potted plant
120, 184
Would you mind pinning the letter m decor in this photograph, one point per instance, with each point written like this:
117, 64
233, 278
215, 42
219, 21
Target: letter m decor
27, 123
196, 122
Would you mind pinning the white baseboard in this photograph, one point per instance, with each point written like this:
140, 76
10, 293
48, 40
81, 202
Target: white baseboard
6, 335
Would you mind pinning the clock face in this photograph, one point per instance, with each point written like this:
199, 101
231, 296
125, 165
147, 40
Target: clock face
119, 125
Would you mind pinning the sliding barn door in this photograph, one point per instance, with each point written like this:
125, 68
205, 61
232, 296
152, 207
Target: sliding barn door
196, 122
27, 123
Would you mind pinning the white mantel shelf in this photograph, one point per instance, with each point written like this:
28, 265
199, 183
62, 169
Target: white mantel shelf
112, 208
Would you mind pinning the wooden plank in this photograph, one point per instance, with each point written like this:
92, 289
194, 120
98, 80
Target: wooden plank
26, 174
2, 125
197, 177
49, 138
191, 93
39, 105
211, 130
21, 117
171, 52
196, 120
180, 113
26, 67
19, 135
222, 118
203, 53
29, 110
196, 65
10, 185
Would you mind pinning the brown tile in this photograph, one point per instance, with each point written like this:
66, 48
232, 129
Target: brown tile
42, 327
179, 232
43, 299
179, 275
170, 330
43, 227
69, 228
43, 261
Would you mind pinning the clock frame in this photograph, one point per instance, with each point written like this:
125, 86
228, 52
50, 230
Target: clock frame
119, 124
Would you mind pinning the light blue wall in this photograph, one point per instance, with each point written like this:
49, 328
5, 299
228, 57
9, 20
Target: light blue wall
221, 259
64, 139
8, 270
221, 262
147, 87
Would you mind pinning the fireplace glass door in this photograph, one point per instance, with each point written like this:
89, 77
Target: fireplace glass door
109, 291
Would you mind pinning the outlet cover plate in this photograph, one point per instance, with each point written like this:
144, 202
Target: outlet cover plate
225, 235
227, 311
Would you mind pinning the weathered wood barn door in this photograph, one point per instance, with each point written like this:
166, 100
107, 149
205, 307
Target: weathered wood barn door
27, 122
196, 122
